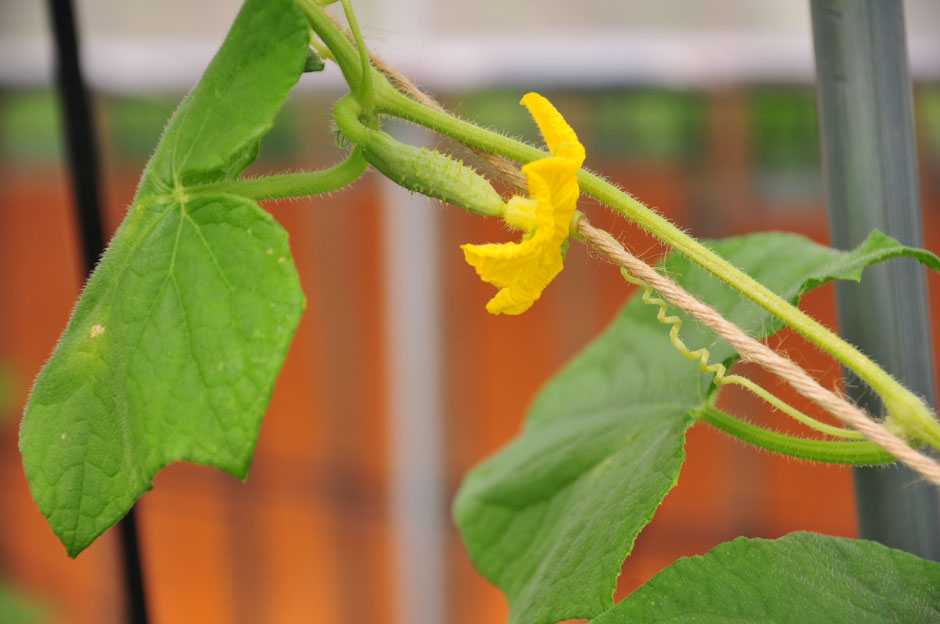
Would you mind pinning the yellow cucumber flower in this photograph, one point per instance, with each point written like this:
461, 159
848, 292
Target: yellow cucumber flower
522, 270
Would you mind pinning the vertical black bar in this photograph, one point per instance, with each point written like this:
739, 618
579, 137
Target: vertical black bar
81, 145
869, 158
133, 571
83, 167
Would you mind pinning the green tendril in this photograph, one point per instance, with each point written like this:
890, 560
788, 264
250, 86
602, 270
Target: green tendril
721, 378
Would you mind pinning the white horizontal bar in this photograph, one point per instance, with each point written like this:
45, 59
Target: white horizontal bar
581, 60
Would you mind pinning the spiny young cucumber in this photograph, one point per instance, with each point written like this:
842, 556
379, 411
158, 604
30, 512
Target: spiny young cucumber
432, 173
419, 169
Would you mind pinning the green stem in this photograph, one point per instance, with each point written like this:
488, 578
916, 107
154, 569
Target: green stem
789, 410
344, 53
293, 184
346, 114
826, 451
394, 103
364, 88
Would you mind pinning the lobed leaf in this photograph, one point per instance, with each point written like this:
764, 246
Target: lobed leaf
803, 577
173, 349
552, 516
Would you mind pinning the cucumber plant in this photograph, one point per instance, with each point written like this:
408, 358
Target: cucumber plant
174, 346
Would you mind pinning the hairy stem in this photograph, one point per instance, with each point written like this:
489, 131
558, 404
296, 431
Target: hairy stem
344, 53
789, 410
364, 88
850, 453
293, 184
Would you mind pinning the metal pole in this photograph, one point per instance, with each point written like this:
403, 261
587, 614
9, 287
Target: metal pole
413, 311
412, 282
869, 155
83, 166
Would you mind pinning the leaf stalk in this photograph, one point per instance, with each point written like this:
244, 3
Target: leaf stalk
289, 185
848, 453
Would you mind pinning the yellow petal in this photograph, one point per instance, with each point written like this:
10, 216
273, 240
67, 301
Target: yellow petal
520, 270
498, 263
528, 285
558, 135
502, 264
553, 185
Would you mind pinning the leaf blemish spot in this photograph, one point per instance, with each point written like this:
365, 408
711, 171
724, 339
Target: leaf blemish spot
62, 437
270, 252
282, 259
97, 330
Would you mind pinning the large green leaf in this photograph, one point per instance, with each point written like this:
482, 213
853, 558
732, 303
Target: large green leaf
172, 351
551, 517
802, 577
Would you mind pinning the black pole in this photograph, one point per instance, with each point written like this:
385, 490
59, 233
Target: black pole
83, 167
869, 158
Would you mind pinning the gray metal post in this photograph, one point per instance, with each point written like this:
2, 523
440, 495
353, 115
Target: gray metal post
411, 230
869, 158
